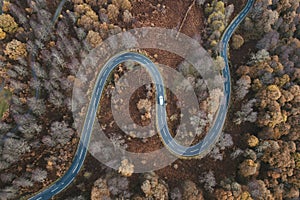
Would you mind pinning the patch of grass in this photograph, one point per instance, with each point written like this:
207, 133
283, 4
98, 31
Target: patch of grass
5, 96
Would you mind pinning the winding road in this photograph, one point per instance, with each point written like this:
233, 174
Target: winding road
193, 151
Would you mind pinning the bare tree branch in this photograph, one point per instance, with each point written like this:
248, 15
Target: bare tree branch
185, 17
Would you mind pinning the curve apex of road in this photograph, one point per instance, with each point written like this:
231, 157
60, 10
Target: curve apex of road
177, 149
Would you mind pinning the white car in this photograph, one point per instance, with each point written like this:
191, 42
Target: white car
161, 100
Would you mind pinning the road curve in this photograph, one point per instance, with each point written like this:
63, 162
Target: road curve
177, 149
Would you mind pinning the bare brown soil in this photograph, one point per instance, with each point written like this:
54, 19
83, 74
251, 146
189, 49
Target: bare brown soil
147, 13
239, 56
169, 15
134, 144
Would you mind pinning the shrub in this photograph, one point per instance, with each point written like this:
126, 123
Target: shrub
2, 34
38, 175
237, 41
113, 12
8, 24
15, 50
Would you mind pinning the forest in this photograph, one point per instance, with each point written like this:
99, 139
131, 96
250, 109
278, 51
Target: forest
258, 155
